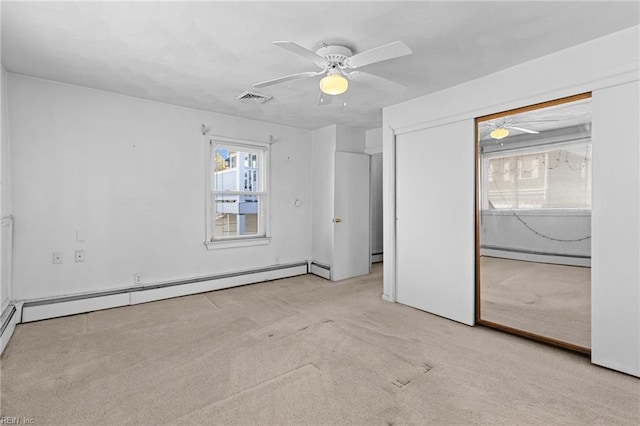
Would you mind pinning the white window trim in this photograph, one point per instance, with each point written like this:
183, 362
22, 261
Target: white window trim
246, 240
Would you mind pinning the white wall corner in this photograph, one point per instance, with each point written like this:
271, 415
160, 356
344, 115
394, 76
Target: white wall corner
373, 143
389, 212
350, 139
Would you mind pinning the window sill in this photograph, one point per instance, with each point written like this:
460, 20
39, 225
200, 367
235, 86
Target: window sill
240, 242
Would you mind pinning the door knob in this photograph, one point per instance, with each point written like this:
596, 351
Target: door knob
337, 220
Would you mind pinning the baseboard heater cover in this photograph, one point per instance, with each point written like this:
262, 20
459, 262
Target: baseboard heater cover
35, 310
6, 317
541, 253
320, 270
536, 256
8, 322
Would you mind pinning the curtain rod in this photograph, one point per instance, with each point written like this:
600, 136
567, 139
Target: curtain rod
203, 129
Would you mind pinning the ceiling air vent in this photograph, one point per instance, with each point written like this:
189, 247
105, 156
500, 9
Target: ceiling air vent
253, 97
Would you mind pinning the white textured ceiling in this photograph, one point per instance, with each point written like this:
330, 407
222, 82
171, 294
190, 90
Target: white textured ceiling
203, 54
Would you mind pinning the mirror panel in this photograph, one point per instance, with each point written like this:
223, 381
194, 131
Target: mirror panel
533, 220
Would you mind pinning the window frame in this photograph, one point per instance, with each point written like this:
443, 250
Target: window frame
263, 161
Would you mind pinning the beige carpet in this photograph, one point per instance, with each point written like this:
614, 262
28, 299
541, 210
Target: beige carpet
298, 351
548, 300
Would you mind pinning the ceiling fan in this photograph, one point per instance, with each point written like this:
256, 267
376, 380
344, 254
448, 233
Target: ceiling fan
338, 64
499, 128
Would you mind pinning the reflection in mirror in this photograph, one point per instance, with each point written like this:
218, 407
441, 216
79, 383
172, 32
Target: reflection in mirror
534, 221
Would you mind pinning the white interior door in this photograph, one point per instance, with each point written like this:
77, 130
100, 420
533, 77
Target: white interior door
351, 216
435, 241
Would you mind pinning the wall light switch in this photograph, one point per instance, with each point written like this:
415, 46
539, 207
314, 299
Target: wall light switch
57, 257
79, 256
297, 203
81, 236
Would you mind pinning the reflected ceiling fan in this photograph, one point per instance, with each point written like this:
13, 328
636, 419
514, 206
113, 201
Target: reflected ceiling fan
338, 64
499, 128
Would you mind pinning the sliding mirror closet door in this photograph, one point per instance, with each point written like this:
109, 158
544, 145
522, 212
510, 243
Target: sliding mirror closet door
534, 222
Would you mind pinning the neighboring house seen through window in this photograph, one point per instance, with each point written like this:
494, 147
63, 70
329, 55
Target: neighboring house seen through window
238, 192
548, 177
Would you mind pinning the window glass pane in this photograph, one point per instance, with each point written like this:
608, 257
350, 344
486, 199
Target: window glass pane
235, 170
235, 215
547, 179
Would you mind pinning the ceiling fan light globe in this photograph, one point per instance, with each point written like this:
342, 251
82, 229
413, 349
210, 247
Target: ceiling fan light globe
499, 133
334, 84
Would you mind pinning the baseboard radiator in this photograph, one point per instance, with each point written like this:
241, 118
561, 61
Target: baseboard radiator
8, 322
320, 270
536, 256
34, 310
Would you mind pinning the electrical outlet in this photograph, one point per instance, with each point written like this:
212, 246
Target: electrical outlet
57, 257
79, 256
137, 278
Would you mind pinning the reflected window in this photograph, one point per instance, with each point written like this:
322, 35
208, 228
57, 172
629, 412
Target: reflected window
555, 176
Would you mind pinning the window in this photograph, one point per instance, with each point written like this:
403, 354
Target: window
237, 193
556, 176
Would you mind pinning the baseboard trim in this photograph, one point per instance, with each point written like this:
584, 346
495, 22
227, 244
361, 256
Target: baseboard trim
320, 269
35, 310
8, 322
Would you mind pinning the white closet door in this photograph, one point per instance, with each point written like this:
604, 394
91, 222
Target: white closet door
435, 228
615, 226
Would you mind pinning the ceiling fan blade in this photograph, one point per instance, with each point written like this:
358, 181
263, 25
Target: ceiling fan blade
286, 78
533, 132
374, 80
305, 53
385, 52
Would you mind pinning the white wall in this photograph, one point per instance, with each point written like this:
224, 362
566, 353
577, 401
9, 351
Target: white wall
373, 143
502, 230
5, 166
5, 197
323, 148
350, 139
599, 64
129, 174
